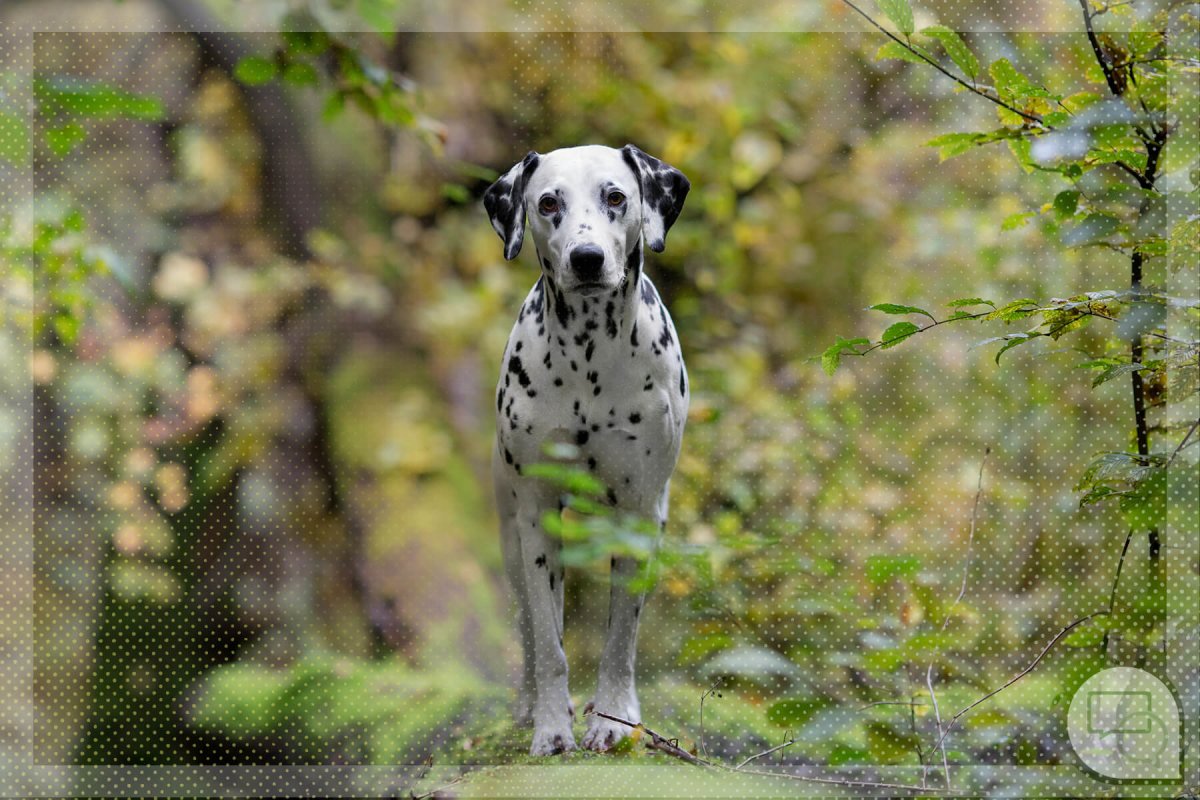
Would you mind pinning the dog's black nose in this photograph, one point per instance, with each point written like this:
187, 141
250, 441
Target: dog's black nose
587, 260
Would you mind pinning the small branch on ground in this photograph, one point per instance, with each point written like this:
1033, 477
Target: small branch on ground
791, 740
656, 741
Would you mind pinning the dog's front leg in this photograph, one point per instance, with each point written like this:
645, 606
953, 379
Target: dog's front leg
616, 692
543, 574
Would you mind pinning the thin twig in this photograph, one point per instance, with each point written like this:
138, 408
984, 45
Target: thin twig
1050, 645
711, 691
791, 741
1191, 430
891, 703
934, 324
1034, 118
672, 748
657, 741
962, 591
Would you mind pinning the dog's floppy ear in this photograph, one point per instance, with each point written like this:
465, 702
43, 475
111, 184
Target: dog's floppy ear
505, 204
664, 189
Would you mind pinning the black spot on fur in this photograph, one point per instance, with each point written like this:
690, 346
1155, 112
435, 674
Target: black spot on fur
682, 384
587, 354
591, 462
649, 296
635, 418
612, 496
581, 437
508, 456
633, 335
633, 262
540, 560
514, 367
558, 381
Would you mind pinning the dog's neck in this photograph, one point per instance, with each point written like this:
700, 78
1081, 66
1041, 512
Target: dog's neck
607, 315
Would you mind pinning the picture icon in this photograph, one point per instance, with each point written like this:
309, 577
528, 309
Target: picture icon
1124, 723
1119, 712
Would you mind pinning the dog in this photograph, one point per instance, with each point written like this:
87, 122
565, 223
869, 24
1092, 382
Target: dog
593, 361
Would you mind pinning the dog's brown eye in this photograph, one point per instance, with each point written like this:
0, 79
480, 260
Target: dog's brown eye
548, 205
616, 198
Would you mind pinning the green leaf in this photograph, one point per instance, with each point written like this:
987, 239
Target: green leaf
1015, 340
67, 328
793, 713
299, 73
1146, 506
1065, 203
955, 47
899, 12
970, 301
97, 100
897, 333
306, 43
254, 70
334, 105
1022, 151
14, 138
1092, 229
894, 308
1017, 309
1018, 220
832, 356
1116, 371
895, 50
1006, 77
1085, 636
950, 145
378, 14
567, 477
882, 568
889, 746
63, 139
1011, 83
696, 649
845, 754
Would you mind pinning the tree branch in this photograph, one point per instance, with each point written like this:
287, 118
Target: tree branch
1184, 442
972, 87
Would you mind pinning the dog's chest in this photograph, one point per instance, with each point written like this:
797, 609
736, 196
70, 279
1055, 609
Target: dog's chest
613, 385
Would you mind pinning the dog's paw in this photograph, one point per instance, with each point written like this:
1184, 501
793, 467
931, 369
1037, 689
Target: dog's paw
603, 734
549, 740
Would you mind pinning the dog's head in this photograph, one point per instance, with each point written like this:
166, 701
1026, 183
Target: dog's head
588, 208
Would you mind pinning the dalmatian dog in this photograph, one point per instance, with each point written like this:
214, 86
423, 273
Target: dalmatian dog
593, 361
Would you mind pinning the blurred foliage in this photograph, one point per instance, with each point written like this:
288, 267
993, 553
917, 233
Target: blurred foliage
263, 523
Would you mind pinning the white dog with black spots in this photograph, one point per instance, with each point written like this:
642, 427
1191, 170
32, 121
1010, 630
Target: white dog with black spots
593, 361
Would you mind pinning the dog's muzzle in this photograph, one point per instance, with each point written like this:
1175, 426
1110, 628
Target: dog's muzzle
587, 262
